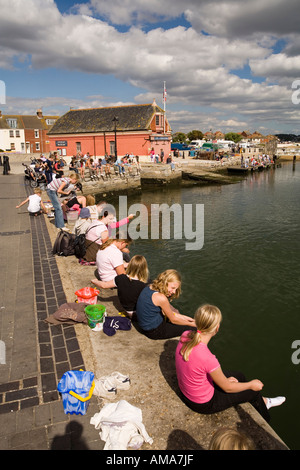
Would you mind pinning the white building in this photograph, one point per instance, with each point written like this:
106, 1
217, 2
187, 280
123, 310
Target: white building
12, 134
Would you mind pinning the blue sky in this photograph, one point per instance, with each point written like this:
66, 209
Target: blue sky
228, 65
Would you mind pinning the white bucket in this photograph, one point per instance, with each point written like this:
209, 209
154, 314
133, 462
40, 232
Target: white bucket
72, 216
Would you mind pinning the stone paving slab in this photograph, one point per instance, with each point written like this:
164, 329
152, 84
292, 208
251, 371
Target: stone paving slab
36, 353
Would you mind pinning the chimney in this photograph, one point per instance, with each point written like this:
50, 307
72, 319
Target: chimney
39, 113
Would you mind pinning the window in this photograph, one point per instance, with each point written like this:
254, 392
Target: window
157, 119
78, 147
36, 134
12, 123
17, 133
37, 146
12, 146
50, 122
11, 133
112, 147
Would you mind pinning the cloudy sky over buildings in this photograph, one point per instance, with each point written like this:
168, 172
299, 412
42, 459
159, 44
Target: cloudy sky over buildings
228, 65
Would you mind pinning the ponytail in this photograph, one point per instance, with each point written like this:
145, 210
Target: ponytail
207, 319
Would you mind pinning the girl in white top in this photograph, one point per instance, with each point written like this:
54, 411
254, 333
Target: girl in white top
109, 258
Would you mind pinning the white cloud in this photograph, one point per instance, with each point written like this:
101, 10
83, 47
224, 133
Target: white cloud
198, 68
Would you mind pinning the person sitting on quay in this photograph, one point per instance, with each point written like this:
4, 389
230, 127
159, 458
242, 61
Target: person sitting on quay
83, 222
109, 259
155, 315
120, 165
97, 234
129, 284
101, 230
205, 388
95, 209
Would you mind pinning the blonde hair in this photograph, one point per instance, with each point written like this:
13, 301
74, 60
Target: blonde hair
118, 238
160, 284
138, 267
230, 439
37, 191
74, 176
90, 200
207, 319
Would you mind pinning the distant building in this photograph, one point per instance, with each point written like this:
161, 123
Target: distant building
12, 134
25, 133
135, 129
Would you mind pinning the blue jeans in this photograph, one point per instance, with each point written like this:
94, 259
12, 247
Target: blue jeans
59, 216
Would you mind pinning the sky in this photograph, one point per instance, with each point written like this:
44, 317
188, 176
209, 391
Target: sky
228, 65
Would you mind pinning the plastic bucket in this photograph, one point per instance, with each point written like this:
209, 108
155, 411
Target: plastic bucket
72, 216
95, 315
76, 388
87, 295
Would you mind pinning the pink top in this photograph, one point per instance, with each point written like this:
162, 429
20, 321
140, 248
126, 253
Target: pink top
114, 225
97, 227
193, 376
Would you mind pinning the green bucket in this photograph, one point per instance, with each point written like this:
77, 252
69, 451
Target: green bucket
94, 314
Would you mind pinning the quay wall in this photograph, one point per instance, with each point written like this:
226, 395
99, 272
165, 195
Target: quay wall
151, 367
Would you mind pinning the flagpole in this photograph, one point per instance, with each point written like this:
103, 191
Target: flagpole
164, 96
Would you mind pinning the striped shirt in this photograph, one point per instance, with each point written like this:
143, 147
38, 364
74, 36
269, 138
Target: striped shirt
57, 182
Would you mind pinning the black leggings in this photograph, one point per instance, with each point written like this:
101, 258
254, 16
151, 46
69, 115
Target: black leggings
222, 400
167, 330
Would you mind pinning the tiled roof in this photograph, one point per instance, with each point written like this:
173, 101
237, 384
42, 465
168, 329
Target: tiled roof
33, 122
130, 118
26, 122
4, 124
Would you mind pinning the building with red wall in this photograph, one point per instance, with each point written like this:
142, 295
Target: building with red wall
135, 129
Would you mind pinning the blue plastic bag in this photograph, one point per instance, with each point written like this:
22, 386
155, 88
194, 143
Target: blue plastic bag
76, 388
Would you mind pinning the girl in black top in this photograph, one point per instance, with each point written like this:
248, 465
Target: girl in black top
131, 284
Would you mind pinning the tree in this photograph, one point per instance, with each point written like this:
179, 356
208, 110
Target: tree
179, 137
195, 135
233, 136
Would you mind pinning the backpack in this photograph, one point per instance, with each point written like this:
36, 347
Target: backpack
64, 244
79, 246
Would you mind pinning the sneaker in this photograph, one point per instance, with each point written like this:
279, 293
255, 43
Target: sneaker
65, 229
277, 401
105, 388
121, 381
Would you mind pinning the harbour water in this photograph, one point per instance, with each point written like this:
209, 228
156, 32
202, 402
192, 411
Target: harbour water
248, 267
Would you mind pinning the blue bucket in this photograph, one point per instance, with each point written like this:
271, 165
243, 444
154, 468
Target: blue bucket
76, 388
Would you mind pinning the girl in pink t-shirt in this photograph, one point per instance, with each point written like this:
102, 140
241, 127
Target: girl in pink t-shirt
205, 387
